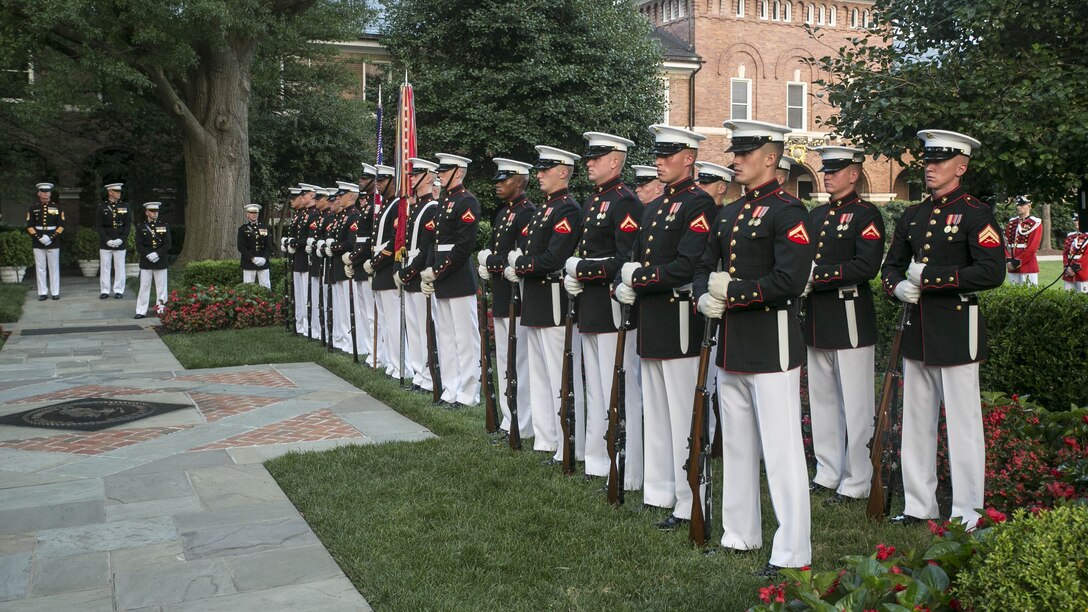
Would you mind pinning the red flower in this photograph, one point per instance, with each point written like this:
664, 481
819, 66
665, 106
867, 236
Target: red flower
894, 569
1070, 441
936, 529
804, 568
995, 516
883, 552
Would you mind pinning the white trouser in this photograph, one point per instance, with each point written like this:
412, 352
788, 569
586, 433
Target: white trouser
1079, 286
521, 362
364, 311
840, 385
415, 304
389, 303
261, 277
599, 351
458, 330
47, 259
545, 357
579, 397
315, 306
924, 388
764, 410
111, 271
302, 322
1026, 278
341, 323
668, 392
146, 276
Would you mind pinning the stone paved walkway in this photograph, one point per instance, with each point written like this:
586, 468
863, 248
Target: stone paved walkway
174, 512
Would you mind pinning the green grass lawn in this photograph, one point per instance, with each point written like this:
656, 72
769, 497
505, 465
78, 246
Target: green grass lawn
12, 296
456, 523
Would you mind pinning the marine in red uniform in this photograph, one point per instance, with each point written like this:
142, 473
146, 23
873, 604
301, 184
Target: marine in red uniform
1023, 233
1075, 262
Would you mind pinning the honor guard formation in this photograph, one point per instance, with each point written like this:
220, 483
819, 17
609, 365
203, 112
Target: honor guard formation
626, 328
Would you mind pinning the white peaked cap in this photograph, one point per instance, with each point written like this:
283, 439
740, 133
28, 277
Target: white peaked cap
750, 135
294, 190
254, 208
447, 161
599, 143
348, 186
420, 164
942, 144
385, 170
551, 156
505, 168
308, 187
369, 171
669, 139
115, 186
785, 163
837, 158
44, 186
152, 205
708, 172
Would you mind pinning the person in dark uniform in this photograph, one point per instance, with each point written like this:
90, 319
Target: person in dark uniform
609, 227
340, 240
45, 224
255, 246
840, 328
509, 231
113, 222
360, 224
419, 242
944, 251
551, 238
153, 247
315, 233
381, 270
782, 174
751, 277
302, 201
715, 180
449, 277
647, 187
672, 237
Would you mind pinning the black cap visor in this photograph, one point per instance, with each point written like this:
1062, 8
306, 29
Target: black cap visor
598, 151
940, 153
665, 149
705, 178
544, 164
834, 165
502, 175
743, 144
446, 167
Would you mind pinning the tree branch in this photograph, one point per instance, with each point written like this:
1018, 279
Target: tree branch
173, 103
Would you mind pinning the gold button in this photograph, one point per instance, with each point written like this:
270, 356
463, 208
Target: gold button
733, 242
938, 279
654, 224
736, 228
650, 239
740, 217
950, 238
959, 307
937, 211
747, 206
818, 245
766, 309
823, 233
817, 255
927, 247
732, 270
928, 234
666, 201
646, 263
933, 222
840, 235
755, 193
732, 256
925, 260
732, 299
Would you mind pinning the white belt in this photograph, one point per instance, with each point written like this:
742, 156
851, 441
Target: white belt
596, 258
45, 228
442, 248
360, 239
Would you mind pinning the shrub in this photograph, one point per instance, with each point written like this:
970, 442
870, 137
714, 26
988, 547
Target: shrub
1034, 348
204, 308
225, 273
15, 249
1032, 563
84, 244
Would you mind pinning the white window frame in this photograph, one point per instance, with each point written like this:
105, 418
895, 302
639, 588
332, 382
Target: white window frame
832, 16
804, 104
763, 9
810, 13
820, 15
740, 7
748, 101
682, 6
854, 18
787, 14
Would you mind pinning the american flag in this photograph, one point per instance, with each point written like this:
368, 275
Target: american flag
406, 149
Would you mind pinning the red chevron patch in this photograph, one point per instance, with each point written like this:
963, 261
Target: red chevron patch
699, 225
871, 232
628, 224
989, 237
563, 227
798, 234
468, 217
430, 226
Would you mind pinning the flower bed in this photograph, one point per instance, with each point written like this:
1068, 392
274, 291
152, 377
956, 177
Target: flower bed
203, 308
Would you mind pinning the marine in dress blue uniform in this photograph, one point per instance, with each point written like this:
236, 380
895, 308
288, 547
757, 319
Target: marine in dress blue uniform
153, 247
254, 243
840, 328
751, 277
112, 222
45, 224
943, 252
356, 249
379, 267
294, 244
419, 240
671, 239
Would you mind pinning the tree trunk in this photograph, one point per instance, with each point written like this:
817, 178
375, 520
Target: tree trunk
1046, 244
216, 148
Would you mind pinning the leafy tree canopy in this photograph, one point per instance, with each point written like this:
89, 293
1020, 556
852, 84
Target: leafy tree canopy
1012, 73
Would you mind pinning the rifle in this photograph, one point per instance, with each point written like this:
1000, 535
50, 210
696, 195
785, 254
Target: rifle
404, 336
880, 489
351, 318
288, 295
432, 356
309, 302
566, 391
321, 298
616, 436
374, 347
491, 414
699, 447
328, 304
512, 366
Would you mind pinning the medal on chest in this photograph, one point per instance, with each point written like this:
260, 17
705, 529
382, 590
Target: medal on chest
757, 215
844, 222
952, 224
672, 212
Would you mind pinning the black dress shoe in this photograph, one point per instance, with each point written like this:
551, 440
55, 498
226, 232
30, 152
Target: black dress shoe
906, 519
670, 523
815, 487
42, 298
550, 461
139, 316
118, 295
839, 498
104, 296
56, 297
769, 572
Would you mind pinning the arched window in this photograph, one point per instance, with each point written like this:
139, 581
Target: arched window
820, 15
832, 17
788, 12
775, 9
762, 9
865, 19
740, 7
810, 12
854, 18
682, 6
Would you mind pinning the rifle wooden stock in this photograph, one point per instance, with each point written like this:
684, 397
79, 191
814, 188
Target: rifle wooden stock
432, 356
880, 497
491, 413
566, 391
616, 437
512, 366
699, 444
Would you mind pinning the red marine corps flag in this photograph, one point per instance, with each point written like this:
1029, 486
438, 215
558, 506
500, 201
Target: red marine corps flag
406, 149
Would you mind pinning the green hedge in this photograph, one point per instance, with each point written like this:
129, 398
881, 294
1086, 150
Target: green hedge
15, 249
1036, 350
225, 273
1032, 563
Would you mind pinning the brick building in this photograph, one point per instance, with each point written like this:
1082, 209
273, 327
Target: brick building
751, 59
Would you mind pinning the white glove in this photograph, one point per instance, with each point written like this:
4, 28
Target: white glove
625, 294
328, 249
573, 286
259, 261
426, 288
283, 245
808, 284
310, 242
319, 245
346, 258
627, 271
427, 275
711, 306
572, 266
482, 256
309, 249
397, 281
908, 292
153, 257
718, 285
510, 274
113, 244
369, 269
45, 240
914, 272
349, 271
484, 273
512, 256
292, 250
